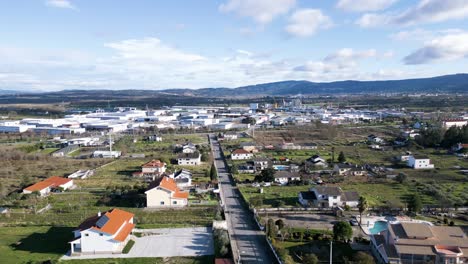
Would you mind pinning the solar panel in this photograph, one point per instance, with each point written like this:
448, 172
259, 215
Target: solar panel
102, 221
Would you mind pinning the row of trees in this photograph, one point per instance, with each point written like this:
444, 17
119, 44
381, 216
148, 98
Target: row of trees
434, 136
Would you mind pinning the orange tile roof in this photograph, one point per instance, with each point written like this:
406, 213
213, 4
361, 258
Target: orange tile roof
54, 181
171, 185
154, 163
240, 151
116, 218
124, 232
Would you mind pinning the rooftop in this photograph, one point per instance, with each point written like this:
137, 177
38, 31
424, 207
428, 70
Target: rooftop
53, 181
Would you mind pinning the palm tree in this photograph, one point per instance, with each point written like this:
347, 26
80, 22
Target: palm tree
362, 206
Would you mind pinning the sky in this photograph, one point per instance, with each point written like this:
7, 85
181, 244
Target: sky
48, 45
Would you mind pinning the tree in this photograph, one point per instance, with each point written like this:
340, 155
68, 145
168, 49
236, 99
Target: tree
401, 177
341, 157
267, 175
249, 120
280, 224
362, 206
271, 228
213, 172
256, 201
342, 231
414, 203
363, 258
234, 169
310, 259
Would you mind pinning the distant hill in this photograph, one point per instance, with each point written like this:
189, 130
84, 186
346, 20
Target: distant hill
442, 84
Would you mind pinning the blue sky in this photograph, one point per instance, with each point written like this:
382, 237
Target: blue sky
148, 44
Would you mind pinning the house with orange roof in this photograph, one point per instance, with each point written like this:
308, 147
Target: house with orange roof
165, 193
46, 186
106, 233
151, 170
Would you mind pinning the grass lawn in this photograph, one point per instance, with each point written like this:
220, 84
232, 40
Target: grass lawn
33, 243
321, 249
271, 195
174, 260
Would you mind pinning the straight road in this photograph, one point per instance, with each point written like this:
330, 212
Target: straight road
247, 241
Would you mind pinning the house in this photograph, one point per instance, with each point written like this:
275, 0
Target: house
412, 242
189, 148
46, 186
419, 162
154, 167
4, 210
309, 146
165, 193
246, 168
316, 161
289, 146
375, 139
327, 197
284, 177
151, 170
106, 233
457, 122
344, 169
189, 159
230, 136
241, 154
183, 179
154, 138
249, 146
261, 163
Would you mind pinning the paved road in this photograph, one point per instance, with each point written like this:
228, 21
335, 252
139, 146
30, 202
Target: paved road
248, 241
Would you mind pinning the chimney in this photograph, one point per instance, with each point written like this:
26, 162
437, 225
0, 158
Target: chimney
99, 214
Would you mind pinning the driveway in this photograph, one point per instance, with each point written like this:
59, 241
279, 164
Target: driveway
173, 242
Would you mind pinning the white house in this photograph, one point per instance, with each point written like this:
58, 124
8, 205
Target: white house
189, 148
457, 122
326, 197
230, 136
183, 178
165, 193
154, 167
316, 161
419, 162
189, 159
284, 177
106, 233
241, 154
46, 186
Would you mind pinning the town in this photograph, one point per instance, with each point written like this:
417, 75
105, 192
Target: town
125, 183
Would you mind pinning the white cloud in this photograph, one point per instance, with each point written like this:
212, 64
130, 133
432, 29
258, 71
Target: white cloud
419, 34
348, 54
262, 11
426, 11
448, 47
364, 5
60, 4
305, 22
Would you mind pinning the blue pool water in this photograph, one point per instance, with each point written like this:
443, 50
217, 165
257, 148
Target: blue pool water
379, 226
280, 167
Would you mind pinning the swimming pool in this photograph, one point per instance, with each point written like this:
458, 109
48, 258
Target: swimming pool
379, 226
281, 167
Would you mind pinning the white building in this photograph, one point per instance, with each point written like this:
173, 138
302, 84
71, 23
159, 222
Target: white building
106, 154
457, 122
189, 159
46, 186
241, 154
284, 177
327, 197
103, 233
419, 162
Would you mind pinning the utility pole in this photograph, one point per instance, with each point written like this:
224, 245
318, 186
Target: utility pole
331, 252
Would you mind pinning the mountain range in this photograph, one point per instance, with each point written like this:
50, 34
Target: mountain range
455, 83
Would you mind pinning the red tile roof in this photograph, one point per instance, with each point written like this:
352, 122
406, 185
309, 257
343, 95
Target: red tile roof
117, 218
124, 232
54, 181
171, 185
240, 151
154, 163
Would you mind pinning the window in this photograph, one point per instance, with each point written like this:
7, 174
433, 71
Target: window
174, 202
86, 234
162, 203
334, 197
101, 234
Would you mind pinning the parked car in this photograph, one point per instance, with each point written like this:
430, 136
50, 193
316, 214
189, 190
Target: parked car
354, 222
